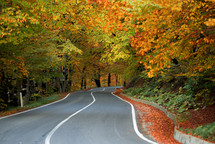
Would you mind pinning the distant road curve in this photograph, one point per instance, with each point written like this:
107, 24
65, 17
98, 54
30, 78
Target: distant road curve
85, 117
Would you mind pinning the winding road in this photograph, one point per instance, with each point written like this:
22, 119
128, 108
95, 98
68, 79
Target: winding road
84, 117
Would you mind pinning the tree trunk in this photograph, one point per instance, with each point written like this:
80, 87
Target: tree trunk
4, 88
97, 79
34, 87
70, 73
54, 84
47, 87
27, 90
116, 77
109, 79
65, 83
59, 82
124, 84
40, 87
44, 88
98, 83
19, 89
82, 82
83, 79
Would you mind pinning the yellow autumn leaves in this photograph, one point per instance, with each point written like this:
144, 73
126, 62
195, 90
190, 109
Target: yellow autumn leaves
210, 22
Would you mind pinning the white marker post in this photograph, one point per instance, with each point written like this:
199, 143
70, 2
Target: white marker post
21, 99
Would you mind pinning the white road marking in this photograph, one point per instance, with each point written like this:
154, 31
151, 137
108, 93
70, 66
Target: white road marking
135, 121
47, 140
35, 108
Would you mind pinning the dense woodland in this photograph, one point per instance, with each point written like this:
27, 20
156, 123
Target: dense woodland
60, 45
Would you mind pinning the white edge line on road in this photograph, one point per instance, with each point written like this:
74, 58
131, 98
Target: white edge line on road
35, 108
135, 121
47, 140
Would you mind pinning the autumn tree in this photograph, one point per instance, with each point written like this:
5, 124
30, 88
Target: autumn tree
176, 33
32, 49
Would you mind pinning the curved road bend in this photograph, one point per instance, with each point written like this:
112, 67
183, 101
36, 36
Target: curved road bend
84, 117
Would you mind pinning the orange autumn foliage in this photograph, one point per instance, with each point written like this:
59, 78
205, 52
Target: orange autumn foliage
185, 34
164, 30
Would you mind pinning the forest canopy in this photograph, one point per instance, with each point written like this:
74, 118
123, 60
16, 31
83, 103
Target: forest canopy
59, 45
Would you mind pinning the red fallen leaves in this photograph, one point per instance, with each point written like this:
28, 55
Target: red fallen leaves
6, 113
199, 117
161, 127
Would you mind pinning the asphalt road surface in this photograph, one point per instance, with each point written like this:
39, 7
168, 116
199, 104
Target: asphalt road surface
85, 117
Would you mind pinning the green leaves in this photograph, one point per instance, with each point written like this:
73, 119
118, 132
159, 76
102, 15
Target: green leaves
69, 48
206, 131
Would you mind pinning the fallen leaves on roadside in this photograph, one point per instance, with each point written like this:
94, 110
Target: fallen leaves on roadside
161, 127
199, 117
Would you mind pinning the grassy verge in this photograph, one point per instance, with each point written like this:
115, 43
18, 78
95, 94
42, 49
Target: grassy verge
204, 131
175, 102
33, 104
